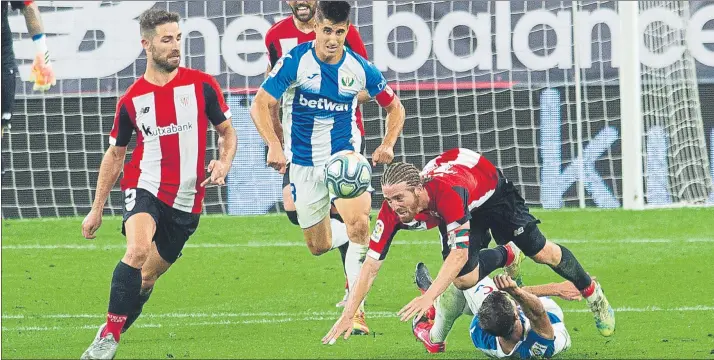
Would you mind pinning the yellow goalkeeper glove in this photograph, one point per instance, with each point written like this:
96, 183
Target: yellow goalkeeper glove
42, 73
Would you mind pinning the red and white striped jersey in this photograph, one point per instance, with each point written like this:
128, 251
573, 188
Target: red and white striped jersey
459, 181
171, 123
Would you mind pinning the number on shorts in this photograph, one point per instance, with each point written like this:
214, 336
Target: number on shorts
130, 199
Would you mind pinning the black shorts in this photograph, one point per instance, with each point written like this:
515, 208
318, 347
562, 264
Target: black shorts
286, 177
506, 217
173, 227
8, 93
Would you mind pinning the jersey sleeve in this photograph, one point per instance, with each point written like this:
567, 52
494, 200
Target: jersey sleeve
376, 85
216, 107
19, 5
375, 81
354, 42
384, 230
283, 74
123, 127
272, 51
452, 206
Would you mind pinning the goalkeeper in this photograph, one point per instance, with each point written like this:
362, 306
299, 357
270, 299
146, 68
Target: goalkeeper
42, 73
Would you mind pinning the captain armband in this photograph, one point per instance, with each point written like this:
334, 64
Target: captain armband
459, 239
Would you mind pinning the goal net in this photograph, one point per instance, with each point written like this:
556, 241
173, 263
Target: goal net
531, 85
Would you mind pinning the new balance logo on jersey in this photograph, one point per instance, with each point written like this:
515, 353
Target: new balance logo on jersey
166, 130
323, 104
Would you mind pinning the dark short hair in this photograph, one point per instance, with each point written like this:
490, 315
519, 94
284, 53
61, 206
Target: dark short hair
497, 314
335, 11
150, 19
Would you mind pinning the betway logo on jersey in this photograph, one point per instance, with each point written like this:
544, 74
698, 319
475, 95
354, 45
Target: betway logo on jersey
165, 130
323, 104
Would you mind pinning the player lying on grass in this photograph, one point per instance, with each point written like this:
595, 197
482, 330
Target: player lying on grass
320, 81
433, 328
463, 194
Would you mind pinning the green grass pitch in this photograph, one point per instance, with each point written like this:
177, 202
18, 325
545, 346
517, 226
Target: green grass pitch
247, 287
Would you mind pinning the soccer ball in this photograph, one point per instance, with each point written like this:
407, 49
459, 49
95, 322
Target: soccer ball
348, 174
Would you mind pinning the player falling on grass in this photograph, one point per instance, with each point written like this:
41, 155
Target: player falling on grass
491, 314
170, 109
518, 325
320, 82
281, 38
463, 194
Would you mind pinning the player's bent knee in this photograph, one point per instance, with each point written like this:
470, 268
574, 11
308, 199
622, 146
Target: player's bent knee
136, 254
358, 229
317, 249
550, 254
467, 281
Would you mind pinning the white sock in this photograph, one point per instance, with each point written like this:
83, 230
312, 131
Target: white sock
339, 234
449, 306
353, 264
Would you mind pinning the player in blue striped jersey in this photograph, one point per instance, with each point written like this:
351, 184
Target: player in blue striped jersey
523, 326
319, 82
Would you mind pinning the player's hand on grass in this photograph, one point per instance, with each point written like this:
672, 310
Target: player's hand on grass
505, 283
417, 307
91, 224
342, 326
276, 158
568, 291
384, 154
218, 172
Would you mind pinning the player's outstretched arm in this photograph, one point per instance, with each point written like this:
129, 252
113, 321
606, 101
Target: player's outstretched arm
227, 144
564, 290
260, 113
384, 154
454, 262
108, 174
42, 73
531, 306
370, 269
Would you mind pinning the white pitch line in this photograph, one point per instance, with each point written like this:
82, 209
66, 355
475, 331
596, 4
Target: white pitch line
302, 244
274, 318
192, 315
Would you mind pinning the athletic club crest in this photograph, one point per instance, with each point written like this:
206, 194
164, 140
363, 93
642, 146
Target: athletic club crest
184, 100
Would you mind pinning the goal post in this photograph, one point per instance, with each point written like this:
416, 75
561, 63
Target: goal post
631, 106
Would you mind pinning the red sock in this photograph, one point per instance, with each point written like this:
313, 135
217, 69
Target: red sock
114, 325
510, 256
588, 290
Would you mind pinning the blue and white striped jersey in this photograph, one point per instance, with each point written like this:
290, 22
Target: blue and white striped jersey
319, 102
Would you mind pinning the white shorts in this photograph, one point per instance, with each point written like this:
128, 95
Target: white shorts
309, 191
